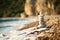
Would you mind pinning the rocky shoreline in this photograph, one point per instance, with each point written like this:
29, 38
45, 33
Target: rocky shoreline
32, 32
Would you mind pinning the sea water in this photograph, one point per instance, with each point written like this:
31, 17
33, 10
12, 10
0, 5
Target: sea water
7, 24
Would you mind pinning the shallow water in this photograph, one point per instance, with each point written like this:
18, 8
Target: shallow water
9, 24
5, 28
13, 24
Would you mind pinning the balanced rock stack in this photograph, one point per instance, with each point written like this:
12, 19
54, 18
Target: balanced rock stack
41, 20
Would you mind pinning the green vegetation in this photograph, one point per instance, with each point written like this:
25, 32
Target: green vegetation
11, 8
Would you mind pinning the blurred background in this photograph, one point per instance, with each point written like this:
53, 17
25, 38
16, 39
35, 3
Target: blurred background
28, 8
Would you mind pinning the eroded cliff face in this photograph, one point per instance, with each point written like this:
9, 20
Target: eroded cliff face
33, 7
30, 7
